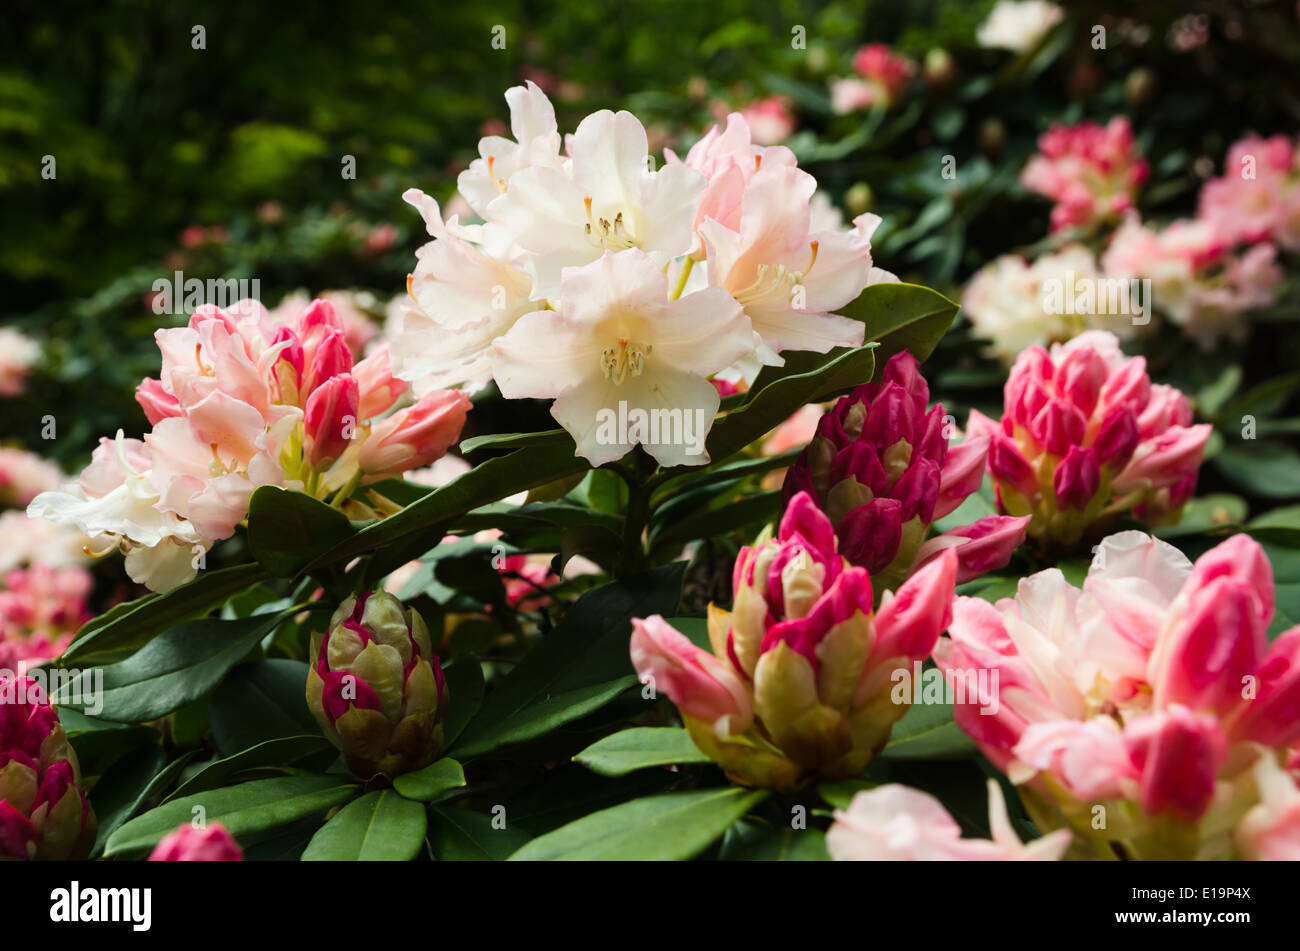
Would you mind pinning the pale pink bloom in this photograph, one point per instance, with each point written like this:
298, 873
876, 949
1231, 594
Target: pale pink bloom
1270, 831
414, 437
770, 120
1018, 25
213, 843
25, 475
1092, 172
40, 609
852, 94
703, 686
795, 432
618, 339
18, 354
32, 541
895, 823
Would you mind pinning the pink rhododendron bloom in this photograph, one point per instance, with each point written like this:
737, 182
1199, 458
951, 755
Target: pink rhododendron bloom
245, 400
1092, 172
25, 475
885, 71
32, 541
881, 469
18, 354
1198, 280
40, 609
1258, 197
770, 120
1151, 693
1085, 435
894, 823
799, 680
214, 843
44, 813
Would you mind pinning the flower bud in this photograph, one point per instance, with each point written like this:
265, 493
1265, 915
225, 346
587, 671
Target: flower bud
330, 420
156, 402
44, 813
189, 844
881, 469
415, 436
376, 687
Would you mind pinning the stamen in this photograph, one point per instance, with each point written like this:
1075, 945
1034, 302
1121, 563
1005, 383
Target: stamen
625, 359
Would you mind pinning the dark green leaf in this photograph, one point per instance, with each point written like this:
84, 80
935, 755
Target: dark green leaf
431, 782
639, 747
381, 826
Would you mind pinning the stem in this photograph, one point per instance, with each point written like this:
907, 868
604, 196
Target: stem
687, 267
349, 487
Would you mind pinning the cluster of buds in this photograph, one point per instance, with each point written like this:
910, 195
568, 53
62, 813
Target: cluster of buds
189, 843
880, 467
44, 814
1091, 171
1086, 435
799, 683
376, 686
1148, 711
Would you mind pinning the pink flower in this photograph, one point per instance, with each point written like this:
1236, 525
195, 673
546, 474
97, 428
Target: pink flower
1092, 172
213, 843
770, 120
25, 475
40, 609
1255, 199
881, 468
894, 823
798, 682
415, 436
1086, 434
886, 72
1152, 692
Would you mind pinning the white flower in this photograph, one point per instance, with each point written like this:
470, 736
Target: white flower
1017, 25
18, 353
611, 201
618, 339
116, 504
537, 142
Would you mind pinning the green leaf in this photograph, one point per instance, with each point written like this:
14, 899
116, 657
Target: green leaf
927, 731
418, 527
458, 835
672, 826
726, 517
1207, 513
261, 701
579, 666
1280, 525
902, 317
629, 750
126, 627
750, 842
123, 787
248, 807
839, 793
287, 529
431, 782
101, 743
379, 827
1266, 468
284, 753
515, 440
170, 671
465, 688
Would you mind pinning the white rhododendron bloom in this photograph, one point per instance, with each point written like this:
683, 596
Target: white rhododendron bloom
1017, 25
580, 285
619, 346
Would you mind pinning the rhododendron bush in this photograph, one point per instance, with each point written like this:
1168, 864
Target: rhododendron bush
734, 488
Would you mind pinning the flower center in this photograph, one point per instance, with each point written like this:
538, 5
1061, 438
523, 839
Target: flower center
626, 359
609, 235
778, 281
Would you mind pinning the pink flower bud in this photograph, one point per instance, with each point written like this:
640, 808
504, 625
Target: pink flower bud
331, 357
189, 844
1076, 479
699, 683
982, 546
1270, 710
1010, 468
330, 420
1165, 459
911, 619
1118, 438
415, 436
378, 387
1058, 426
962, 473
870, 534
1177, 754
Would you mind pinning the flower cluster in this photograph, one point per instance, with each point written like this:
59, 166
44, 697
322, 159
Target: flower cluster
581, 284
881, 469
1084, 435
25, 475
1092, 172
41, 607
1015, 304
245, 401
799, 681
376, 686
884, 75
1258, 197
1150, 697
44, 814
1199, 280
